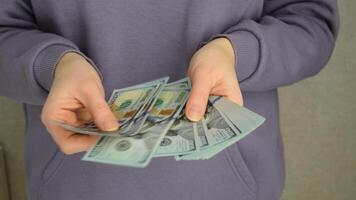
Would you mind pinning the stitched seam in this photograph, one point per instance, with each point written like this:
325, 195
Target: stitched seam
52, 174
238, 175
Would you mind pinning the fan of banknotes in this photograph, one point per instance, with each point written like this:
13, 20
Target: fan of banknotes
153, 124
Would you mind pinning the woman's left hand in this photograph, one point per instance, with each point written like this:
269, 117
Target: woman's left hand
212, 72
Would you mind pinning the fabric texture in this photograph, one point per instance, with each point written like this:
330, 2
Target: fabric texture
276, 43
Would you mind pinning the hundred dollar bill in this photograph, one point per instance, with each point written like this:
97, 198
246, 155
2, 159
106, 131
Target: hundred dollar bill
243, 121
202, 138
137, 150
138, 121
180, 139
239, 116
220, 131
182, 84
130, 106
216, 131
207, 153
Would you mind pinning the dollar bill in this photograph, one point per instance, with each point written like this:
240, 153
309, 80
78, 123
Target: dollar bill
137, 122
130, 106
180, 139
220, 131
239, 116
201, 141
153, 124
182, 84
138, 150
202, 138
216, 130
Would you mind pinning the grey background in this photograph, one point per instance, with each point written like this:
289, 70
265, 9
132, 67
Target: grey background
318, 123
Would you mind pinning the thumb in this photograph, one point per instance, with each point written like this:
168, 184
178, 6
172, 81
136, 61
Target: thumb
198, 99
100, 111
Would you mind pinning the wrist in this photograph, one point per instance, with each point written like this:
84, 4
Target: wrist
67, 60
225, 45
72, 56
75, 64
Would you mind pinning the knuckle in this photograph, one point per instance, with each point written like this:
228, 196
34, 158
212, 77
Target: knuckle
84, 115
100, 105
44, 113
46, 116
66, 148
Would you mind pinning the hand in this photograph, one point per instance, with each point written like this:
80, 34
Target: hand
212, 72
76, 97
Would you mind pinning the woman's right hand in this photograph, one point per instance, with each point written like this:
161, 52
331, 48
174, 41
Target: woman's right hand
76, 96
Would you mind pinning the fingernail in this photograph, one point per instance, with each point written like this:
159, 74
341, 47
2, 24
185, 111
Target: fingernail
194, 114
111, 126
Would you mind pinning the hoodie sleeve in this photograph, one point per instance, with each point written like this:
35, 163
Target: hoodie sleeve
28, 56
292, 40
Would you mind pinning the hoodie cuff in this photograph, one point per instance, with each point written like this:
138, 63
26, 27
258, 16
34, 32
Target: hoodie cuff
247, 52
47, 60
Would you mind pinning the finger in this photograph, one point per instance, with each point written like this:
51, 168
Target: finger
232, 93
198, 99
54, 113
100, 111
84, 116
70, 142
67, 141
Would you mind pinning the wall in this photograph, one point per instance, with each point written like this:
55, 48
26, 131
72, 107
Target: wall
12, 140
318, 121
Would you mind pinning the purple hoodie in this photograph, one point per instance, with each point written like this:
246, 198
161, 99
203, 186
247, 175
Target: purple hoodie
277, 42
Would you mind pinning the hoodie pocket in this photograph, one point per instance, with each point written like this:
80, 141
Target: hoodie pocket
240, 168
50, 170
53, 165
